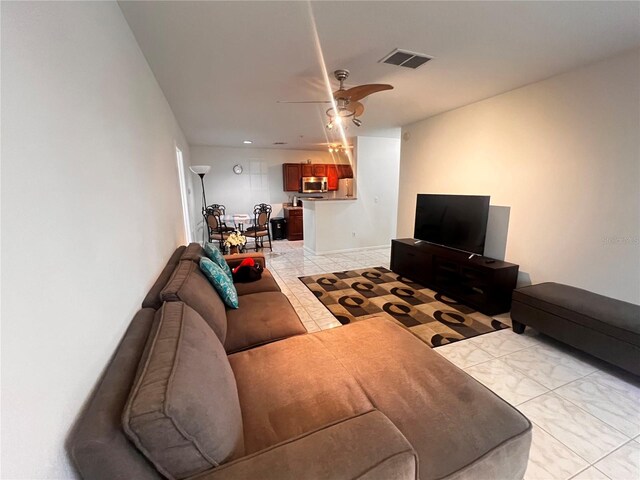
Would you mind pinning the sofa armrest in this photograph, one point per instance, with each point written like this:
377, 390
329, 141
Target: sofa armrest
364, 447
234, 260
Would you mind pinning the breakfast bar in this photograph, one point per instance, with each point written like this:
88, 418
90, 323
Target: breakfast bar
325, 220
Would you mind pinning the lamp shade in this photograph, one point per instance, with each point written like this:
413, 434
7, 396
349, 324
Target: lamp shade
200, 169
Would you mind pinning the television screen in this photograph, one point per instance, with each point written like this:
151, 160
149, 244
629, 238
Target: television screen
456, 221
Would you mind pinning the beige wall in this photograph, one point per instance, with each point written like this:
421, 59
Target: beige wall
564, 155
90, 213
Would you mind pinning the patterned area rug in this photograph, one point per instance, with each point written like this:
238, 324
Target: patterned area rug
378, 292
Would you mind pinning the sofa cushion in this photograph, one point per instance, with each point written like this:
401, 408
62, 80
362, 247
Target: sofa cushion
152, 300
98, 445
266, 284
193, 252
458, 427
189, 285
214, 254
183, 411
291, 387
261, 318
606, 315
364, 447
220, 281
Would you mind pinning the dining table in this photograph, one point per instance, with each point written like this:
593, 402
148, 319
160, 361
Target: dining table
240, 220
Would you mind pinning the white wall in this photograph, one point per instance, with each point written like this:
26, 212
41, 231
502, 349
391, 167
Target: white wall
260, 182
564, 155
368, 221
90, 213
378, 170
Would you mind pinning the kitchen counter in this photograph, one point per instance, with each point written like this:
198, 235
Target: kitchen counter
327, 199
328, 222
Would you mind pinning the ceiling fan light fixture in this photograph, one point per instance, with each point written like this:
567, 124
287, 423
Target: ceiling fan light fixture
338, 148
357, 122
340, 114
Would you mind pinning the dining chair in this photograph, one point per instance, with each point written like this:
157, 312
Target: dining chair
220, 210
260, 228
217, 229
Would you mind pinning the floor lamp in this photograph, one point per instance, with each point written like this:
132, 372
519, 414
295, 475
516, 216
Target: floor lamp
201, 171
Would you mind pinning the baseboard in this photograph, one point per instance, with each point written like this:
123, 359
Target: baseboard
344, 250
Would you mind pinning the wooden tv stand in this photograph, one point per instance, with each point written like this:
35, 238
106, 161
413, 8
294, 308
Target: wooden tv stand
480, 282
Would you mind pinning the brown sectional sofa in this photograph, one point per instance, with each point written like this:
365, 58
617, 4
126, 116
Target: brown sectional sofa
259, 400
265, 313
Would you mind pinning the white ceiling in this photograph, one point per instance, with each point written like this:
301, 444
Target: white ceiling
224, 65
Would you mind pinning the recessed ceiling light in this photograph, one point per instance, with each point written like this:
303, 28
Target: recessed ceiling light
247, 142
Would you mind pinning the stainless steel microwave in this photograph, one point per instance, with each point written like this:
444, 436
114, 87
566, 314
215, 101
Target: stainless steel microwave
314, 185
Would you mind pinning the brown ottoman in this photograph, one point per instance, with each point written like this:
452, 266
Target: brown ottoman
601, 326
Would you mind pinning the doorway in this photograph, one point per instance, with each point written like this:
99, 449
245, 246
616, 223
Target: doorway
184, 195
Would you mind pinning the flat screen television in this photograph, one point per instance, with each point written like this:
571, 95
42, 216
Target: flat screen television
456, 221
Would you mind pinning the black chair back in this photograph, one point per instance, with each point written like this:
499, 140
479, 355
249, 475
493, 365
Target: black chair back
262, 213
217, 208
219, 211
213, 221
217, 231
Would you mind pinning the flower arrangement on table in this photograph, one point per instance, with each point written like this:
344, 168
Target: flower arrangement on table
235, 241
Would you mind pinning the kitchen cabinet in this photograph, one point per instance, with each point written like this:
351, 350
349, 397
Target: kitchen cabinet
314, 170
307, 170
319, 170
291, 173
332, 177
345, 171
294, 223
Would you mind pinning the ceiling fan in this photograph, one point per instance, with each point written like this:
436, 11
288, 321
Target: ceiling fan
347, 101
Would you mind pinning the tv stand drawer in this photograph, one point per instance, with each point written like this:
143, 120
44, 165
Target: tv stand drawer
410, 262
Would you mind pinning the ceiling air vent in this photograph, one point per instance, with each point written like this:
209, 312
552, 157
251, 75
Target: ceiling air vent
405, 58
279, 143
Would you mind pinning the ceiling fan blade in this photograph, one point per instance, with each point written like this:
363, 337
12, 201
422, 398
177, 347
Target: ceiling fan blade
341, 93
307, 101
358, 108
358, 93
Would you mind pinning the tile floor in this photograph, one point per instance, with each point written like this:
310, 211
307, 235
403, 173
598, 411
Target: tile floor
585, 414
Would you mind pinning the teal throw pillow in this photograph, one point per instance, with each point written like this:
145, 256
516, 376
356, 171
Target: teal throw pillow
215, 254
223, 284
